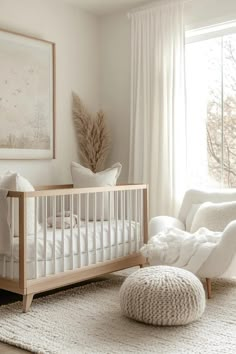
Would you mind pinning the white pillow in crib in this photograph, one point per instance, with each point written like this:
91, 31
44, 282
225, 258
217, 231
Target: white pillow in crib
15, 182
84, 178
214, 216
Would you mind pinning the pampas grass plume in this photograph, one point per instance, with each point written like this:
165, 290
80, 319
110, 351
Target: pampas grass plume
92, 135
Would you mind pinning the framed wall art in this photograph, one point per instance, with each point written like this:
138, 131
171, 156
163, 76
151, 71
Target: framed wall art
27, 97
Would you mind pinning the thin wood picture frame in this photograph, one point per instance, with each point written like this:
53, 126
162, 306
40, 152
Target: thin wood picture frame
27, 97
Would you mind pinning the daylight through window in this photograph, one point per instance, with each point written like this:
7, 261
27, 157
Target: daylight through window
211, 108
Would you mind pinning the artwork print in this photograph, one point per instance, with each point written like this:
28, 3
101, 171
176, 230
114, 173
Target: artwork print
26, 97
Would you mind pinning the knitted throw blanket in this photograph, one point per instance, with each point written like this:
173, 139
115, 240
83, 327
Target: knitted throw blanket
181, 249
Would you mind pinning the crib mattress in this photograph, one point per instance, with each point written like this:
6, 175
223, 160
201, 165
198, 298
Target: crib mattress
89, 245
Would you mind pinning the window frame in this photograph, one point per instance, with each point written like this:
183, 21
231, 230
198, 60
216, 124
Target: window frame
208, 32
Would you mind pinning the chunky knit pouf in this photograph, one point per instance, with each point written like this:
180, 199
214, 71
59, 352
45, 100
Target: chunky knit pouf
162, 295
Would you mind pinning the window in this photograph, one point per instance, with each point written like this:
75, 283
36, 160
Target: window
211, 105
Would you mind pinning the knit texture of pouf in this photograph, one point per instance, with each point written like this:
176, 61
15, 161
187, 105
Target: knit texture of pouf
162, 295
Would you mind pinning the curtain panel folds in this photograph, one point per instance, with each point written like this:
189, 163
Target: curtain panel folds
157, 123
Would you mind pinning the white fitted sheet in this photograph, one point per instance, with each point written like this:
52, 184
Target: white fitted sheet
113, 242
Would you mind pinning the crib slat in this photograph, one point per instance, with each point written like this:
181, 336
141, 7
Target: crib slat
44, 215
109, 224
102, 227
95, 226
136, 206
58, 206
71, 232
116, 195
141, 219
86, 222
78, 199
36, 236
4, 267
123, 193
63, 231
54, 208
12, 235
129, 214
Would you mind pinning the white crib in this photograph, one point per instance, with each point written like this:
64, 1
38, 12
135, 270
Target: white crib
84, 247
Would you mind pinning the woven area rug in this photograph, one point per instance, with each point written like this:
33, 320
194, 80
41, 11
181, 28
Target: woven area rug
87, 319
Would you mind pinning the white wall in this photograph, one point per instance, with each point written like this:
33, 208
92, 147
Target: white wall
204, 12
75, 33
115, 85
115, 66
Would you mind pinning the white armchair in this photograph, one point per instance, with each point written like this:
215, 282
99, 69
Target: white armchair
222, 260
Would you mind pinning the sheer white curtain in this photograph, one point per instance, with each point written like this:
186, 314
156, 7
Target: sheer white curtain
157, 131
197, 82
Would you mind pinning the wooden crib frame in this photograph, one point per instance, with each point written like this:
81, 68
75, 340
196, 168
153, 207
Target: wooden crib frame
28, 288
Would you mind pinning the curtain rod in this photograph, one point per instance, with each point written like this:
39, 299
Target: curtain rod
152, 5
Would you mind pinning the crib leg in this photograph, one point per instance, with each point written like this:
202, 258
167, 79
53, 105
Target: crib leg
27, 300
208, 287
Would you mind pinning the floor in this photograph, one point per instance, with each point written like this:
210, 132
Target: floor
8, 349
7, 297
